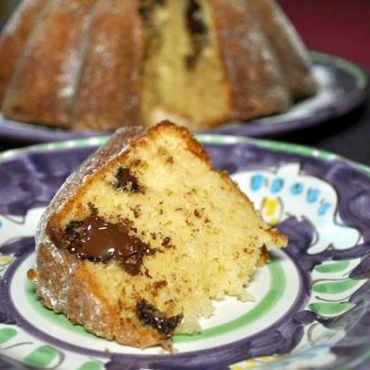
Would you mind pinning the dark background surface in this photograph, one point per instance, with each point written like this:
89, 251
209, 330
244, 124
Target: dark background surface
341, 28
338, 27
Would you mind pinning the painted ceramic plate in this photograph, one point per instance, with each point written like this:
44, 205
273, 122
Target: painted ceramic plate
312, 301
342, 87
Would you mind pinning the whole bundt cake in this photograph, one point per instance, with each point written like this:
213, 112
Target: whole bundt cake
98, 64
144, 236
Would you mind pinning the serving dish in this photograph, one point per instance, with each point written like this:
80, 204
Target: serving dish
312, 301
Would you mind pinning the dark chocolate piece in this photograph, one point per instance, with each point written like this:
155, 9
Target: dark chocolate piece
100, 241
127, 181
197, 31
150, 315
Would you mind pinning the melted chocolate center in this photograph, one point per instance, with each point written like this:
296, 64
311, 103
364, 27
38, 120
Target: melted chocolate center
97, 240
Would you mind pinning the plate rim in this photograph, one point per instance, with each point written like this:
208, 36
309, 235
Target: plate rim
204, 138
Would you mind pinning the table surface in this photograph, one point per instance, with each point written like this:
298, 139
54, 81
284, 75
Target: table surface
348, 135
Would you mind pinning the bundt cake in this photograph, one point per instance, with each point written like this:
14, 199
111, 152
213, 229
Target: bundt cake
142, 238
99, 65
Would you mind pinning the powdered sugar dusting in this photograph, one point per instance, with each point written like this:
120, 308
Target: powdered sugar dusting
69, 74
71, 69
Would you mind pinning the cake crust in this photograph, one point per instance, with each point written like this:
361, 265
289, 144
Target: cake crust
256, 82
50, 65
115, 42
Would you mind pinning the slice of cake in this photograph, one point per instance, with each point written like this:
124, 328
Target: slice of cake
144, 236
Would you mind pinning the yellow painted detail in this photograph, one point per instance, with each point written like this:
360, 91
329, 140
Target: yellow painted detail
5, 259
270, 206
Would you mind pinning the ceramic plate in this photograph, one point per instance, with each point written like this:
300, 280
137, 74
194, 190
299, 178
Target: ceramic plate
312, 301
342, 87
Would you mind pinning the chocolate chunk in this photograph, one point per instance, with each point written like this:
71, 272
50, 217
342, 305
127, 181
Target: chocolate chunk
194, 20
126, 181
166, 241
150, 315
100, 241
197, 213
198, 32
